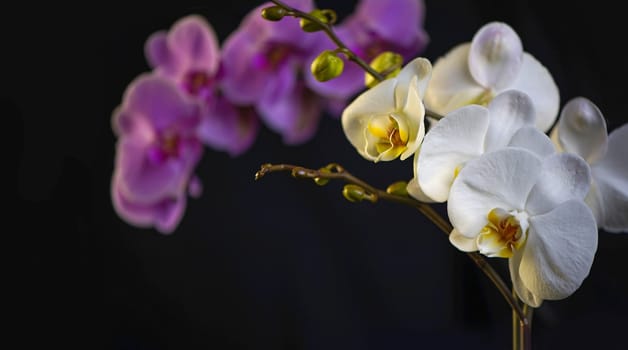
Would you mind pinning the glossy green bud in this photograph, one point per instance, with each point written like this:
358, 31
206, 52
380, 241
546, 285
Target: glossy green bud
398, 188
325, 16
355, 193
273, 13
327, 66
387, 63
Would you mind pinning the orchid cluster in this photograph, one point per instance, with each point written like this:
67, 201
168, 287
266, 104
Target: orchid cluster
476, 123
200, 93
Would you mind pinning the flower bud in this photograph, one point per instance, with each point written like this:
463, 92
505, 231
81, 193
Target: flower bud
355, 193
387, 63
398, 188
325, 16
273, 13
327, 66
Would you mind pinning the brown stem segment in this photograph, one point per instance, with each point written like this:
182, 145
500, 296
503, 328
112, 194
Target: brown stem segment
336, 171
342, 47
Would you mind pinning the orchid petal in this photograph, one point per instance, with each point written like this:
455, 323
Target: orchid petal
522, 291
559, 251
451, 85
496, 55
416, 192
564, 176
194, 37
581, 129
159, 55
414, 114
462, 242
537, 82
611, 176
509, 111
419, 69
500, 179
447, 146
376, 101
530, 138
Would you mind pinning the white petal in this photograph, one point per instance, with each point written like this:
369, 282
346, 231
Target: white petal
595, 202
496, 55
530, 138
536, 81
509, 111
414, 114
559, 251
419, 68
448, 145
463, 243
611, 176
499, 179
451, 85
564, 176
377, 101
581, 129
522, 291
416, 192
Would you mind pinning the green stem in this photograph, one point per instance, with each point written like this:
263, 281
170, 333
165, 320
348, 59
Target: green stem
328, 29
336, 172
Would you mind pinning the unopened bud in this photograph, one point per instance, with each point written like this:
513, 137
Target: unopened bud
325, 16
398, 188
387, 63
273, 13
327, 66
355, 193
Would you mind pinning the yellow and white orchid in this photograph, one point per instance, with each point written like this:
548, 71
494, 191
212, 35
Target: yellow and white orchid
494, 61
387, 121
514, 204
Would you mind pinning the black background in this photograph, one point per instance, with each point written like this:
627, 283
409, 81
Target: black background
279, 263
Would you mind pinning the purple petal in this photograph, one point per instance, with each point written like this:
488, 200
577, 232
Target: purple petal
229, 128
165, 215
396, 21
161, 103
159, 55
241, 81
295, 116
193, 38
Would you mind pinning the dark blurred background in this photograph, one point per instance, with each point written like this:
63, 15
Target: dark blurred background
279, 263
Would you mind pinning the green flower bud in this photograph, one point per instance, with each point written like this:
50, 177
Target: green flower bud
325, 16
387, 63
398, 188
355, 193
327, 66
273, 13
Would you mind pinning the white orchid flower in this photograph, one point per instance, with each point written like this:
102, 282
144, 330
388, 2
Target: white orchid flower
512, 203
494, 61
469, 132
386, 121
581, 129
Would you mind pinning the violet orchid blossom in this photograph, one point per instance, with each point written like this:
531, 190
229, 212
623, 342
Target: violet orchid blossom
263, 65
189, 55
157, 152
375, 26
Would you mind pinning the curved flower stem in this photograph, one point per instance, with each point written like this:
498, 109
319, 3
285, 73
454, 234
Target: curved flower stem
335, 171
342, 47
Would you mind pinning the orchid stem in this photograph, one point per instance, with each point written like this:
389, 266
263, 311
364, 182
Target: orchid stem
335, 171
328, 29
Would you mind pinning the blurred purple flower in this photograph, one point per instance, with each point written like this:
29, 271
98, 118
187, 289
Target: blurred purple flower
375, 26
157, 152
189, 55
263, 65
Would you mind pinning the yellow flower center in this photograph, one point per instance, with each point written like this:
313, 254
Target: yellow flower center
389, 136
504, 233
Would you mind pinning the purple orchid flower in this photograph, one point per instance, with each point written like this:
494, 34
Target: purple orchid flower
189, 55
375, 26
157, 152
262, 65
